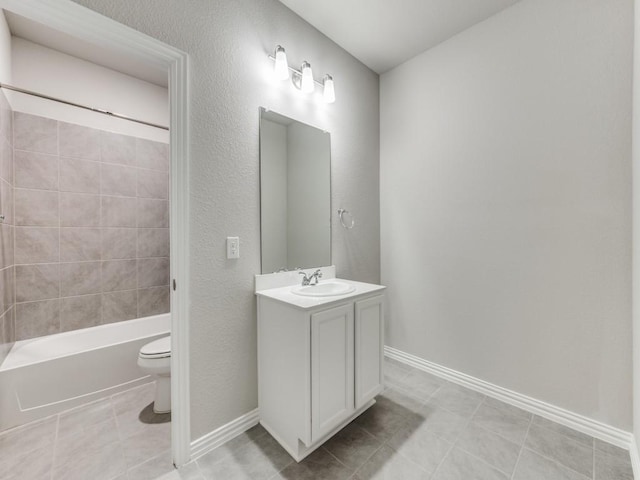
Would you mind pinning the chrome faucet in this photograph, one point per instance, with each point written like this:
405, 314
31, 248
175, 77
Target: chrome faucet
306, 280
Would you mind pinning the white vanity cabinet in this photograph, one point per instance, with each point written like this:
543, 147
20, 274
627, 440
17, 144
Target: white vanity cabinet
319, 364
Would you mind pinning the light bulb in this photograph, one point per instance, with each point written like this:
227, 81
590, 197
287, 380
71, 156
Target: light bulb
281, 68
307, 84
329, 93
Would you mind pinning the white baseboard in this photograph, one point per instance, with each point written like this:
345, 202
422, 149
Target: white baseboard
569, 419
635, 458
221, 435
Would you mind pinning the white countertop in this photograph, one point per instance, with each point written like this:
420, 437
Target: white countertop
285, 295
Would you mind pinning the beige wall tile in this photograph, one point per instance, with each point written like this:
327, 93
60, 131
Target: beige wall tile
118, 180
153, 155
118, 211
153, 301
35, 134
153, 242
153, 213
78, 244
153, 272
6, 202
35, 319
36, 208
36, 245
80, 278
80, 312
6, 245
79, 176
7, 289
119, 306
78, 141
118, 243
153, 184
119, 275
6, 161
37, 282
35, 170
6, 119
117, 148
79, 210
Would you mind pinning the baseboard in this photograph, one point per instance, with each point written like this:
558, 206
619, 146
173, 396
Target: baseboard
221, 435
567, 418
635, 458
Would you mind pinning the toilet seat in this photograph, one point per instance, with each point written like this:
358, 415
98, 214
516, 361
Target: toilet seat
160, 348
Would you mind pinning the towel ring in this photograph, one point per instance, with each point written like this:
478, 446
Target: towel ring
341, 213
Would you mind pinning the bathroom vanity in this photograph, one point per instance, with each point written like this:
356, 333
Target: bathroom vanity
319, 358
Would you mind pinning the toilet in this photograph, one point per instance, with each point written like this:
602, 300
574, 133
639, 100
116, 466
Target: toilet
155, 359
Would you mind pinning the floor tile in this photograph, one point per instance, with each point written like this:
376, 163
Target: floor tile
457, 399
421, 446
503, 420
320, 465
610, 449
566, 431
153, 468
259, 459
89, 442
75, 421
417, 383
532, 466
442, 422
104, 464
383, 419
394, 370
612, 467
497, 451
34, 464
565, 450
403, 399
460, 465
386, 464
352, 446
190, 471
29, 437
232, 445
146, 444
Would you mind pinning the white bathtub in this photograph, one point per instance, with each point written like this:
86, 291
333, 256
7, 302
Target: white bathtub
47, 375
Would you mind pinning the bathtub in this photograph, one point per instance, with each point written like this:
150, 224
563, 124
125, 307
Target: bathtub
47, 375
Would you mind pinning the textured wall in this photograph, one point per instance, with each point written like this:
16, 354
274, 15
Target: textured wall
91, 226
228, 42
7, 285
506, 203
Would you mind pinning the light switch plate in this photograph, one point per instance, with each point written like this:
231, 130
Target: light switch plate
233, 247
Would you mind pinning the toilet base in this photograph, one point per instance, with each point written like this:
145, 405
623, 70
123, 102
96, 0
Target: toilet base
162, 402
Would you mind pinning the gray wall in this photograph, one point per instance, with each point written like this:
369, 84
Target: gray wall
506, 204
91, 226
228, 42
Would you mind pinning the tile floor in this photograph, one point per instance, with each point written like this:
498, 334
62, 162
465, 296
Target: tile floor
423, 427
116, 438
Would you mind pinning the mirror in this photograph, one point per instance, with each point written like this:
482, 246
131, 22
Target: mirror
295, 194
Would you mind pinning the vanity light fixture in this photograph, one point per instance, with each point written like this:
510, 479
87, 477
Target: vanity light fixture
281, 68
303, 78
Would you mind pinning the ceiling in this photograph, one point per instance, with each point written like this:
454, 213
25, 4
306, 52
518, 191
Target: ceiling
382, 34
60, 41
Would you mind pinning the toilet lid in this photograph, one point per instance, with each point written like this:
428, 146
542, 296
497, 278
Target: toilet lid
157, 349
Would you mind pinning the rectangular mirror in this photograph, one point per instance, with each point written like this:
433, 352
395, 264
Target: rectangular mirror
295, 194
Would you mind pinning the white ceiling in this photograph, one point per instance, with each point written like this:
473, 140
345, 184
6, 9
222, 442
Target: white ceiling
60, 41
382, 34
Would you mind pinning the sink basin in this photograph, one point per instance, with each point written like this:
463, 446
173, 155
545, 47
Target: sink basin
324, 289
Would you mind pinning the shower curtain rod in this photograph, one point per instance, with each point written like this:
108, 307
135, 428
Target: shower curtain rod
97, 110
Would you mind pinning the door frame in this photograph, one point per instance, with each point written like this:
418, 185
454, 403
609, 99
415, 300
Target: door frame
92, 27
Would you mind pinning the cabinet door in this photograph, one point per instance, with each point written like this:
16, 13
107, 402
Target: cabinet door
369, 345
331, 369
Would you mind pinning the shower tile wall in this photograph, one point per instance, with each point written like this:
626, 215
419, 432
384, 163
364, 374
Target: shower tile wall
91, 226
7, 310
